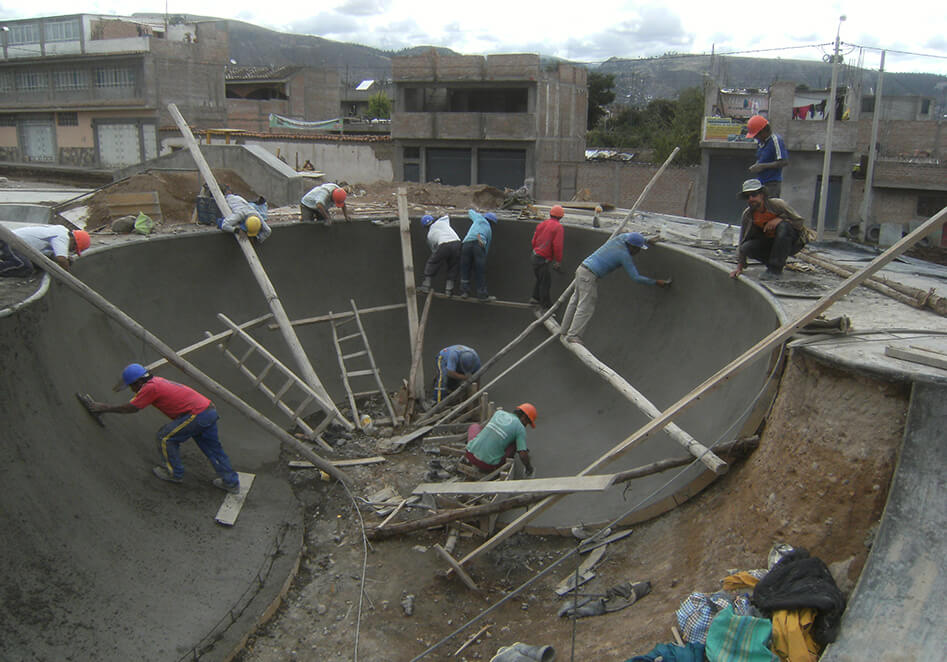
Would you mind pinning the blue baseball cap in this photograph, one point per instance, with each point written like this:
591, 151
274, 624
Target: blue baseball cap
636, 239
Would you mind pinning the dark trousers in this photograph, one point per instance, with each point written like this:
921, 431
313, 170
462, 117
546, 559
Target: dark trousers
772, 251
447, 253
202, 428
473, 262
12, 263
542, 271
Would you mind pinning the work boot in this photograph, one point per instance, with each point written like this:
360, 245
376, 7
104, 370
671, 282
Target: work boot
163, 474
771, 274
486, 297
449, 288
425, 286
221, 485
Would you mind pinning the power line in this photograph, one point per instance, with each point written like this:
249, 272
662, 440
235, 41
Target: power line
891, 50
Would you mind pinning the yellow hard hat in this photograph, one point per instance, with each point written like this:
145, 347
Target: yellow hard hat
253, 224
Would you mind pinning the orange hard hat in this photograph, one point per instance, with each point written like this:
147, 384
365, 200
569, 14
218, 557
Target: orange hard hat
530, 412
338, 197
755, 124
557, 211
82, 239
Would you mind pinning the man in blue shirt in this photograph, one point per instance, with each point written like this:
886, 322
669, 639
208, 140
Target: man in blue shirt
454, 364
614, 253
502, 437
771, 155
473, 254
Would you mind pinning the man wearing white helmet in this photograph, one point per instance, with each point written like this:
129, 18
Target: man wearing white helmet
445, 249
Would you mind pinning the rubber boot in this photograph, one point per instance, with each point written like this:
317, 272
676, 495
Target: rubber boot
449, 288
425, 286
520, 652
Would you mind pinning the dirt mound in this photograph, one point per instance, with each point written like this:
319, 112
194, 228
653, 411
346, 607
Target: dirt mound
430, 194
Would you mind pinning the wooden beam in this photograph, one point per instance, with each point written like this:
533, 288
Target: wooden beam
464, 577
410, 291
305, 464
416, 359
340, 316
916, 354
557, 485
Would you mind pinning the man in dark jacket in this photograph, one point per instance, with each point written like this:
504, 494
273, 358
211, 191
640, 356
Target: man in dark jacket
770, 231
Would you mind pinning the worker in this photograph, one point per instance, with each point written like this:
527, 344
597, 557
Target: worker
314, 206
503, 436
619, 251
192, 415
473, 254
547, 250
771, 154
770, 231
54, 241
248, 217
453, 365
445, 249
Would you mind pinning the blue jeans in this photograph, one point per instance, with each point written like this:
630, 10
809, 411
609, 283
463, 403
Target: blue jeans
473, 258
203, 429
12, 263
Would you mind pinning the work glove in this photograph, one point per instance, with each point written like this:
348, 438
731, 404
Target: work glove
664, 283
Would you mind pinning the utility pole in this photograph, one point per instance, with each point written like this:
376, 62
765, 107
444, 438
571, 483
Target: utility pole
827, 157
872, 153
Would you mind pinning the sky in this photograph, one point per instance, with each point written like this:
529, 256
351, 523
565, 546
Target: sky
586, 33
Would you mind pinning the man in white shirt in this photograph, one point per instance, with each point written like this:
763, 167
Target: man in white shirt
54, 241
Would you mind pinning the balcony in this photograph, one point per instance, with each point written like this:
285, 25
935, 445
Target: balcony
464, 126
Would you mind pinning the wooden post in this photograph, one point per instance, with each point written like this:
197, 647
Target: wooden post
256, 267
775, 338
137, 330
416, 360
407, 257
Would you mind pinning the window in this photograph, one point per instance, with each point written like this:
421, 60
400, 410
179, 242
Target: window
67, 119
6, 81
31, 80
24, 33
114, 77
7, 120
67, 30
929, 204
72, 79
412, 152
925, 106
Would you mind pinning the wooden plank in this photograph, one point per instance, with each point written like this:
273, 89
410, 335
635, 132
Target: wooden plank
618, 535
485, 302
410, 291
306, 464
584, 571
233, 503
916, 354
558, 485
340, 316
464, 577
398, 443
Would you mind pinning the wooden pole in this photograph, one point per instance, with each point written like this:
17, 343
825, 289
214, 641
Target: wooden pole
256, 267
340, 316
775, 338
407, 257
638, 399
126, 322
416, 359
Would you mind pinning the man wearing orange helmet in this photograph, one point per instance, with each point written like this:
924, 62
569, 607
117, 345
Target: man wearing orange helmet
505, 434
54, 241
315, 205
771, 155
547, 250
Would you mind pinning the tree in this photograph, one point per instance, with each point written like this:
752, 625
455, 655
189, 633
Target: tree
601, 93
379, 105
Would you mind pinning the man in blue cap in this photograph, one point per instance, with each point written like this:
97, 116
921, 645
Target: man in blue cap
616, 252
453, 365
473, 253
445, 249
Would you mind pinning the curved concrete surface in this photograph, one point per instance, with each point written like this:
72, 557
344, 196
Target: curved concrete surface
102, 561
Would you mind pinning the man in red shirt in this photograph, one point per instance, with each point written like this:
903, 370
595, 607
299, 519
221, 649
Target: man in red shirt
547, 248
192, 415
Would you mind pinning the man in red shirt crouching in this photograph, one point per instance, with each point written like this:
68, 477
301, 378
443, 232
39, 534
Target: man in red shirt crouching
192, 415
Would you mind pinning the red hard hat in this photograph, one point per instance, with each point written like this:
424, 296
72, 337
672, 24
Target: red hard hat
338, 197
755, 124
82, 239
530, 412
557, 211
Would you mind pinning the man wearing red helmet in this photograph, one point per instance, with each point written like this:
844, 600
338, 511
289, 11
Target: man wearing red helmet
54, 241
315, 205
502, 437
771, 155
547, 250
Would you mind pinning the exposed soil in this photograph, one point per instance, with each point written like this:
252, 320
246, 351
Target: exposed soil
818, 480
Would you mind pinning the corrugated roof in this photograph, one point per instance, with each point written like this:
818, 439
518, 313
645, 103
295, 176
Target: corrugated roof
238, 73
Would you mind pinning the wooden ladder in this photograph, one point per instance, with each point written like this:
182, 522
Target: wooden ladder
362, 349
309, 396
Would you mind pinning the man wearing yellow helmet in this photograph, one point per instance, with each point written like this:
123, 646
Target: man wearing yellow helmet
246, 216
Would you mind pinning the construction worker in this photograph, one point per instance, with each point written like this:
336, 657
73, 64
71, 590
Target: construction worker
315, 206
547, 250
770, 231
445, 248
771, 154
473, 253
248, 217
616, 252
192, 415
502, 436
453, 365
54, 241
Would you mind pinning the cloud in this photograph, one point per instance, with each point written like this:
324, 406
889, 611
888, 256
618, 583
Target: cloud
936, 43
327, 24
365, 7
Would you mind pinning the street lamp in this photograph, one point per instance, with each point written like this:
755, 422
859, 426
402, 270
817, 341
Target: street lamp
827, 156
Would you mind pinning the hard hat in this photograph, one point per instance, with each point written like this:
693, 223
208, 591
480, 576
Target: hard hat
253, 224
82, 239
490, 216
751, 186
132, 373
469, 361
530, 412
636, 239
754, 125
338, 197
557, 211
426, 220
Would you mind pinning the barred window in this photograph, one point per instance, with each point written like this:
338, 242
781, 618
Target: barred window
114, 77
6, 81
65, 30
71, 79
7, 120
24, 33
67, 119
31, 80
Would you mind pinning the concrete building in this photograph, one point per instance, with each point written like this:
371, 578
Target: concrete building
499, 120
909, 182
253, 93
91, 91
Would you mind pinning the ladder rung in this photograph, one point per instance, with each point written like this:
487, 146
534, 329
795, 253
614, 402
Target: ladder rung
359, 373
353, 355
280, 393
260, 377
362, 394
302, 406
350, 336
243, 359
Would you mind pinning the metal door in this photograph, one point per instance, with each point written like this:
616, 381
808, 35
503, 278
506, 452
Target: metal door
832, 204
119, 144
39, 141
502, 168
448, 165
725, 177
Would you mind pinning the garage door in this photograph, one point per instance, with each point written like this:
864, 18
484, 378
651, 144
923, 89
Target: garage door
501, 167
119, 144
449, 166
